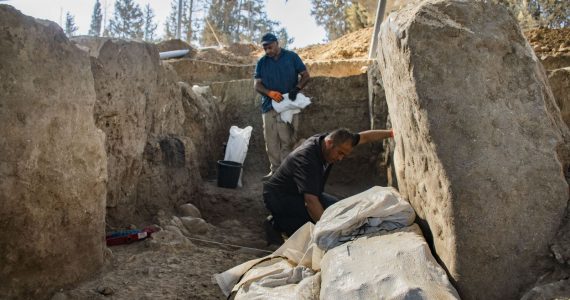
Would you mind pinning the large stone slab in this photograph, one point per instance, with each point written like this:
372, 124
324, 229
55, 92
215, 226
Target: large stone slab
53, 166
125, 75
156, 130
480, 146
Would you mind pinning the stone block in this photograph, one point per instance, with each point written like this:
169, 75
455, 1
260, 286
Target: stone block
53, 166
480, 146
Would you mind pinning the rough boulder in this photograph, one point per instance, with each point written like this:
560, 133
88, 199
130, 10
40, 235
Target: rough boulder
52, 161
480, 145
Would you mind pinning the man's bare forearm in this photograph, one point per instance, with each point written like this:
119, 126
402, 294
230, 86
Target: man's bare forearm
369, 136
314, 207
260, 88
304, 79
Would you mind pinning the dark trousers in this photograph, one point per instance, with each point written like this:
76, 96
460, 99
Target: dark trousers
289, 211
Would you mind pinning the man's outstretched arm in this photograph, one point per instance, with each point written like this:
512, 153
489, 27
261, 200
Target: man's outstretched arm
314, 207
375, 135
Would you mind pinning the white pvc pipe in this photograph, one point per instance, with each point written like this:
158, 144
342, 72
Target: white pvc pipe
173, 54
379, 18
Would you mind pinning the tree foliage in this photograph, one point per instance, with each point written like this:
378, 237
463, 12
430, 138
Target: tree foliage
339, 17
190, 23
127, 21
332, 15
70, 27
219, 23
171, 21
96, 20
544, 13
239, 21
149, 24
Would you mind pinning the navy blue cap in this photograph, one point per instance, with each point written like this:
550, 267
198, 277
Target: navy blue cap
268, 38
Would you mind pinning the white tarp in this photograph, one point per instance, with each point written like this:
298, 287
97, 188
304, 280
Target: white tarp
288, 273
379, 264
287, 108
236, 148
397, 265
379, 208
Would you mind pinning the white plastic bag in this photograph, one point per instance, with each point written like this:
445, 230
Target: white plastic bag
287, 108
236, 149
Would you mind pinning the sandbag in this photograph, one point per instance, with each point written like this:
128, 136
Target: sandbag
393, 265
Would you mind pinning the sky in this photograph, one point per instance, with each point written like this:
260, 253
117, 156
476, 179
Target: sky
294, 15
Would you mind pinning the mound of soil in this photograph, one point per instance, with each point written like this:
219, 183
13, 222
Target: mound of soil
172, 45
349, 46
226, 56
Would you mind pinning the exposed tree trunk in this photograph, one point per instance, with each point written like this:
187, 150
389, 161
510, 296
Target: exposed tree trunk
239, 21
179, 22
190, 31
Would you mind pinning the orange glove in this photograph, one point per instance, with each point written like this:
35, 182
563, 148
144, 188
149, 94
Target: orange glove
275, 96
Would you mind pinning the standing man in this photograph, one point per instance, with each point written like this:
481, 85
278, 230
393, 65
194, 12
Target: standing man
295, 193
277, 73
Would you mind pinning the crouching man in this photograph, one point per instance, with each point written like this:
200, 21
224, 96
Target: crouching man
295, 193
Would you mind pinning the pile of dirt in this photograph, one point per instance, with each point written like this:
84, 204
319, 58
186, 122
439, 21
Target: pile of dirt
352, 45
171, 45
237, 53
549, 41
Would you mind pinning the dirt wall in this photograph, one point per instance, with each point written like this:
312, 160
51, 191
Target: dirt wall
336, 102
202, 72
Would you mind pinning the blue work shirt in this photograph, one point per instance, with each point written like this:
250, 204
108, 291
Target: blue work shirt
279, 74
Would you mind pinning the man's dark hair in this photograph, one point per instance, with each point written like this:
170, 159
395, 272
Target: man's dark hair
343, 135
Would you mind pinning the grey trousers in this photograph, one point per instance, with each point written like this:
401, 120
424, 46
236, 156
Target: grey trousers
279, 137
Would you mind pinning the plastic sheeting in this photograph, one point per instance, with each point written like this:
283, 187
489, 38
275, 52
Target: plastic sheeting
287, 108
394, 265
373, 264
289, 273
238, 143
379, 208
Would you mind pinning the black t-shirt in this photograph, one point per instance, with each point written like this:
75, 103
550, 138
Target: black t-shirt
303, 171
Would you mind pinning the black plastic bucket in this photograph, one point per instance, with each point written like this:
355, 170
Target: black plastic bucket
228, 173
